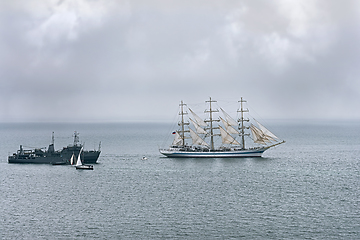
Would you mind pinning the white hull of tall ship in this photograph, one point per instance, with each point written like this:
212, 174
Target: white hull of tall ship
176, 153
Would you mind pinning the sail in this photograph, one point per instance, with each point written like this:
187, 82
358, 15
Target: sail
228, 127
266, 132
197, 140
177, 140
229, 119
239, 136
79, 163
227, 138
198, 119
72, 160
198, 129
259, 136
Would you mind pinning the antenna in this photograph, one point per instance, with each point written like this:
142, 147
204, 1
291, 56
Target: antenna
76, 138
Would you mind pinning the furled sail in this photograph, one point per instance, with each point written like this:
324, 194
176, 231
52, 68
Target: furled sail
229, 119
197, 140
227, 138
198, 129
177, 140
198, 119
267, 133
228, 127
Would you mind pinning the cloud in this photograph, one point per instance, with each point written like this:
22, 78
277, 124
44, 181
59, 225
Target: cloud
55, 21
116, 60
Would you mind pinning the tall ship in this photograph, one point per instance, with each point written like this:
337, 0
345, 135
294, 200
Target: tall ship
51, 156
196, 137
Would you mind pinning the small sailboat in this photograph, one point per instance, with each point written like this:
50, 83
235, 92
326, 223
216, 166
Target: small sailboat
72, 159
80, 166
144, 158
232, 134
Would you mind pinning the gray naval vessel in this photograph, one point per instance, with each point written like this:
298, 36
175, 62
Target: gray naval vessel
37, 156
87, 156
50, 156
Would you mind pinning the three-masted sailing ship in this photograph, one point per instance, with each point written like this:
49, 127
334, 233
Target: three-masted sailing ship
195, 137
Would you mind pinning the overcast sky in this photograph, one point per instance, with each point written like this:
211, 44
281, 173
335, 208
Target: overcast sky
112, 60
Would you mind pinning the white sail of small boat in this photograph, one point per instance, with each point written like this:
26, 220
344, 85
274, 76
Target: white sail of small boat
79, 165
78, 162
72, 159
233, 134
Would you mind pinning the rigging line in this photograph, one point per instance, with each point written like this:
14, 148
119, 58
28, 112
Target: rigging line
252, 110
57, 137
229, 104
258, 115
229, 100
172, 127
197, 105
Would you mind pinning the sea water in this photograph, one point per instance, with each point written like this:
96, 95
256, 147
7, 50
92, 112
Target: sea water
307, 188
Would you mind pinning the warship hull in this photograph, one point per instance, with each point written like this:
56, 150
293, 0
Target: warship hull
89, 158
36, 159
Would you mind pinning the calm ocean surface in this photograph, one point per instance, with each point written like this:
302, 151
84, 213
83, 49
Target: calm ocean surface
307, 188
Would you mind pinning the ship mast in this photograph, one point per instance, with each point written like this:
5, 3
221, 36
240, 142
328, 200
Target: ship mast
51, 146
76, 138
182, 113
242, 120
211, 120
